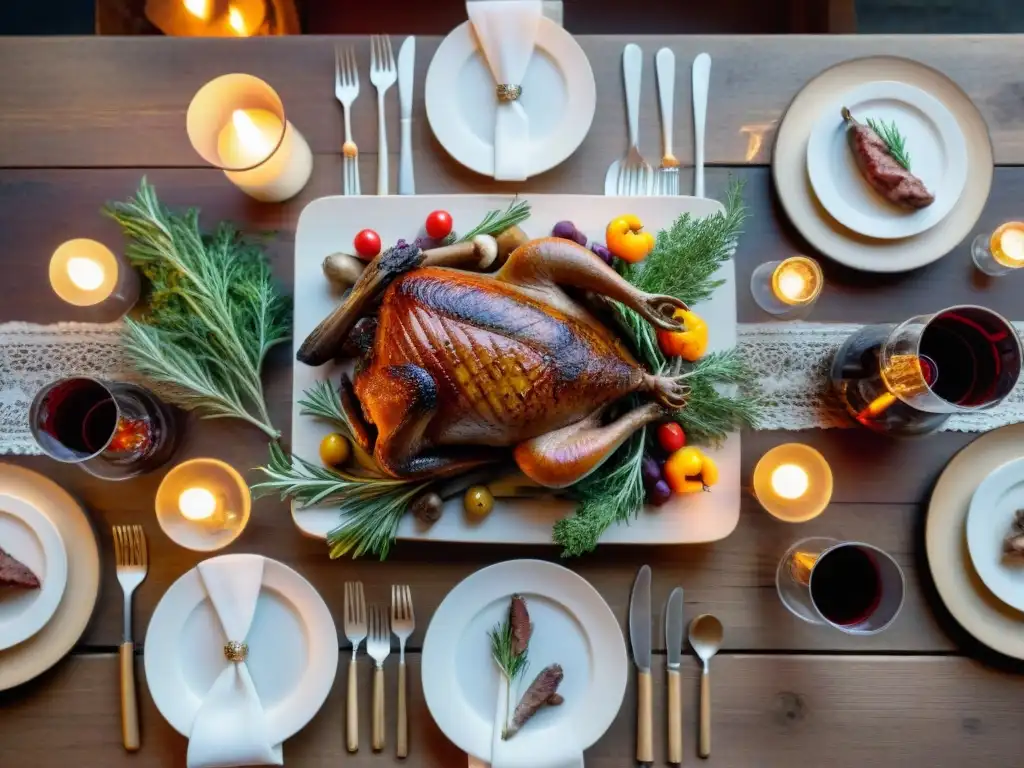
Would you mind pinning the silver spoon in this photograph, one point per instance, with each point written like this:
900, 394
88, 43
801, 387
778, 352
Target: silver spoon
706, 636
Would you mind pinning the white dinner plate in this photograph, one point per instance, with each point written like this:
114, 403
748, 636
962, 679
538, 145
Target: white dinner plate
934, 141
572, 626
293, 651
29, 536
992, 509
559, 96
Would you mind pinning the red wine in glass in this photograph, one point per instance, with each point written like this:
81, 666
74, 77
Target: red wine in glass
846, 585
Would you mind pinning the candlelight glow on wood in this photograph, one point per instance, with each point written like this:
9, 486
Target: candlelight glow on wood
788, 287
793, 482
86, 273
203, 504
1001, 252
237, 123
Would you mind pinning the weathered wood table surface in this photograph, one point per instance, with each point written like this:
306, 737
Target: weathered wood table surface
82, 119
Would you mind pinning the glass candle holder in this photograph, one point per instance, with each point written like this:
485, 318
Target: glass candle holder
1002, 251
793, 482
85, 273
203, 504
237, 123
787, 288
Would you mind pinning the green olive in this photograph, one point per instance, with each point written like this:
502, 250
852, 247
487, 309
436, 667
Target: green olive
334, 450
478, 501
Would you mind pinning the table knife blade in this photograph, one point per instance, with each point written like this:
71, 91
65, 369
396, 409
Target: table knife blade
406, 69
640, 640
674, 648
674, 628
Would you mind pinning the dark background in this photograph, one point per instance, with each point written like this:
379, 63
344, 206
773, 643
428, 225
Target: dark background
79, 17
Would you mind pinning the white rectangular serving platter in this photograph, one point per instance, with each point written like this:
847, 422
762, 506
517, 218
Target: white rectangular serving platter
328, 225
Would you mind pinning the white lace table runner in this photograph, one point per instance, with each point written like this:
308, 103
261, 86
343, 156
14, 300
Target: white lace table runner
790, 359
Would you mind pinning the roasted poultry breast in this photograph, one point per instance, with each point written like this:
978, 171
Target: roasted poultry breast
458, 367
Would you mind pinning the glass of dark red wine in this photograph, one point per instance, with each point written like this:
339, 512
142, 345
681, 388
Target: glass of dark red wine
854, 587
113, 430
908, 379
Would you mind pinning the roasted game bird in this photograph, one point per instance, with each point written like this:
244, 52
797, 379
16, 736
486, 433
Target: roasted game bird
457, 368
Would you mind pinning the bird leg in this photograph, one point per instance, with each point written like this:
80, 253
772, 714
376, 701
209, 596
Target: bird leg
565, 456
554, 261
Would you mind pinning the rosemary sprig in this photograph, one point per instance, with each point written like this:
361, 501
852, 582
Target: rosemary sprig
513, 665
371, 507
895, 142
497, 221
323, 401
214, 312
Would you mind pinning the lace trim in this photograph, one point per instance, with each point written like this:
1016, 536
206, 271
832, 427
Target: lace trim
790, 359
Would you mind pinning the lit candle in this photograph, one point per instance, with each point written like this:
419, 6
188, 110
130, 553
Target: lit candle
237, 123
203, 504
793, 482
86, 273
1002, 251
789, 287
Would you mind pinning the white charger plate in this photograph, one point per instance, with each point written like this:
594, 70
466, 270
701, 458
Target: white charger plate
559, 96
992, 509
29, 535
293, 651
572, 626
935, 143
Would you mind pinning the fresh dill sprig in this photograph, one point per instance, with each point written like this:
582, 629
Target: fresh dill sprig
214, 311
710, 415
371, 507
895, 141
497, 221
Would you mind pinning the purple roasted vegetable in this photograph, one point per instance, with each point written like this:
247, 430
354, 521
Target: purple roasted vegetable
650, 471
602, 251
658, 493
568, 231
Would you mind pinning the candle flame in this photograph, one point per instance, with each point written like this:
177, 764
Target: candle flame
198, 8
790, 481
236, 20
85, 273
792, 285
249, 136
197, 504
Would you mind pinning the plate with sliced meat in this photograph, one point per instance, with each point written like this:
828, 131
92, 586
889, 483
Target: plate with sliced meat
887, 160
33, 570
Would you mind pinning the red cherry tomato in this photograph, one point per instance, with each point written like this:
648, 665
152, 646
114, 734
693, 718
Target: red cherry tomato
439, 224
367, 244
671, 437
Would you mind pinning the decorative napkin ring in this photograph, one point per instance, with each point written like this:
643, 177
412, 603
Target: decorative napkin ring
509, 92
236, 650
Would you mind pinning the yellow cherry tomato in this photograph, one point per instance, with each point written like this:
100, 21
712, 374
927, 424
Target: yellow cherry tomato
690, 343
478, 501
334, 450
625, 239
688, 470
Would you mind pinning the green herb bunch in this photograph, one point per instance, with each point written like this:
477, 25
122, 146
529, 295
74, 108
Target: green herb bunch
214, 311
895, 142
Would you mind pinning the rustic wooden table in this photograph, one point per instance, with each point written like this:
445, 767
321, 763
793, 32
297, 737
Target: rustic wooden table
82, 119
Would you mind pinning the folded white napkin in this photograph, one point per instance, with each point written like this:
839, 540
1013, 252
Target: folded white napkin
518, 752
506, 31
230, 728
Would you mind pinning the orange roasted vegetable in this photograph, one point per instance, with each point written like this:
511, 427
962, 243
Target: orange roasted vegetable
690, 343
688, 470
625, 239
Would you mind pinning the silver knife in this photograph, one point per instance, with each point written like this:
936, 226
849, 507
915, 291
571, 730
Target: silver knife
674, 648
640, 639
406, 66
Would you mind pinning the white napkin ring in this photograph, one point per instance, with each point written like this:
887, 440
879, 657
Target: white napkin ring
509, 92
236, 651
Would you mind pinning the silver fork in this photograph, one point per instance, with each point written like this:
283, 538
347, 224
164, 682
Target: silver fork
383, 74
635, 173
403, 622
378, 646
355, 631
346, 89
132, 565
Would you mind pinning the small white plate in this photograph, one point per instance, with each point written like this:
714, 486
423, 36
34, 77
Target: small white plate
935, 143
572, 626
993, 507
293, 651
559, 96
29, 536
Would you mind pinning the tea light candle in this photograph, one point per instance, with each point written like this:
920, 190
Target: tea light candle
203, 504
86, 273
789, 287
793, 482
1002, 251
237, 123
